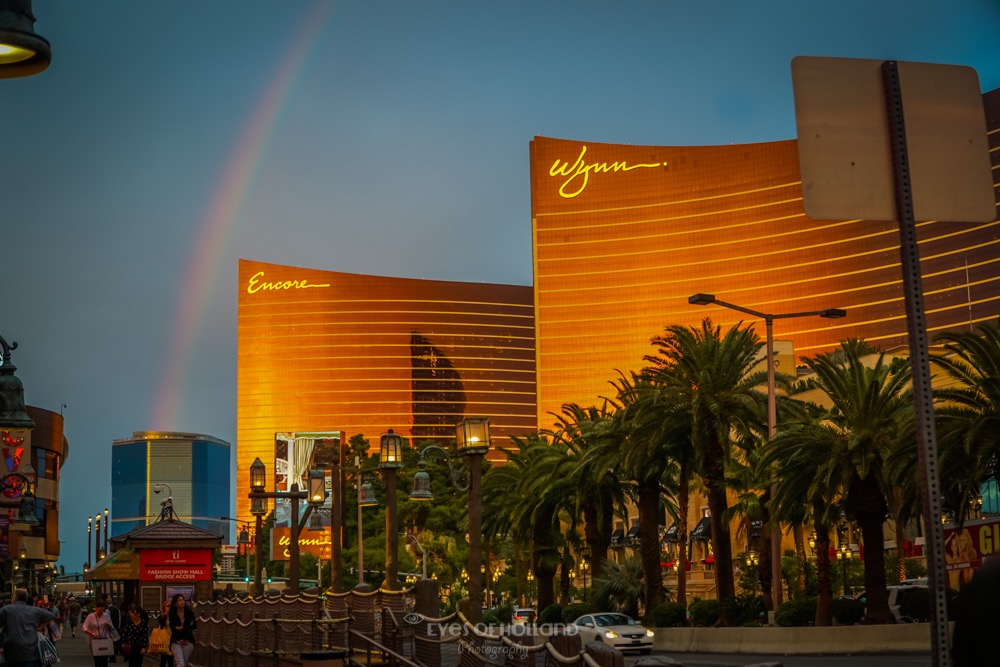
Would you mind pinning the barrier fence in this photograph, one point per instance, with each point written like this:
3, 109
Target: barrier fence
373, 628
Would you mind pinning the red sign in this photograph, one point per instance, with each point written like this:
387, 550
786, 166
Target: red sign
175, 564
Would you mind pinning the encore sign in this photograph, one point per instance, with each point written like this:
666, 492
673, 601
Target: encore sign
175, 565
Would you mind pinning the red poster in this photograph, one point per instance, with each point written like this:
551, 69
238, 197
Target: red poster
175, 564
966, 549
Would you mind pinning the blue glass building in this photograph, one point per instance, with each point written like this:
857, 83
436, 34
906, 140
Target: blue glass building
191, 467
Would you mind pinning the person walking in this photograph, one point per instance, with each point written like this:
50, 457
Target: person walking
135, 634
98, 624
73, 609
20, 623
182, 627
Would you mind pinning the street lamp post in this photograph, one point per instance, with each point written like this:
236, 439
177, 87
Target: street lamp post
391, 460
366, 498
314, 496
702, 299
472, 440
243, 540
844, 554
584, 566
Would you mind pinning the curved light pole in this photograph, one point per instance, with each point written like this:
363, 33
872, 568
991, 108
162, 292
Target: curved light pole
702, 299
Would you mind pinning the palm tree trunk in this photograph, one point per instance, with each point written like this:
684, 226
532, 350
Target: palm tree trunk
683, 501
800, 552
718, 503
564, 582
764, 571
824, 598
649, 541
869, 509
597, 531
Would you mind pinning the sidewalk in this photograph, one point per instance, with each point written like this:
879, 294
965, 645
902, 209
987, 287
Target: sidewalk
74, 652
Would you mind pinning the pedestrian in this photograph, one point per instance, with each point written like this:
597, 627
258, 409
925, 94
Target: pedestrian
73, 608
135, 634
20, 622
182, 627
98, 625
60, 612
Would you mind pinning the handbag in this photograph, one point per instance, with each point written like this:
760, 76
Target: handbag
47, 652
102, 646
159, 641
126, 650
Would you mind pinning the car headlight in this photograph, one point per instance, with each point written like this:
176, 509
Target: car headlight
649, 633
611, 634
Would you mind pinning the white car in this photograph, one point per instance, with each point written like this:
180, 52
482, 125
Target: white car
617, 630
523, 616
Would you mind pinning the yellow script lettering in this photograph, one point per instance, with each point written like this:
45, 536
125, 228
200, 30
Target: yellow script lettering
256, 284
578, 174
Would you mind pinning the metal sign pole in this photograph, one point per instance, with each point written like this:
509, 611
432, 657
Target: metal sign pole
920, 364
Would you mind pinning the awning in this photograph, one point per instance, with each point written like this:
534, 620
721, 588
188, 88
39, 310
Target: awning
122, 565
617, 538
703, 531
671, 534
632, 537
709, 561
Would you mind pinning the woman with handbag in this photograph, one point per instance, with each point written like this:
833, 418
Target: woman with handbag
182, 626
135, 634
99, 630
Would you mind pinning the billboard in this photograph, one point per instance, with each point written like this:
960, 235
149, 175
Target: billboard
968, 547
295, 453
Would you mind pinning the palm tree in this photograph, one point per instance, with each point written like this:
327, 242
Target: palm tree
806, 487
870, 410
620, 587
712, 379
969, 420
595, 485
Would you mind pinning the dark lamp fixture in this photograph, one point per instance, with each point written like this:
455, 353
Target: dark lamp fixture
368, 498
701, 299
26, 512
833, 313
244, 537
317, 486
22, 52
22, 553
421, 484
258, 506
390, 455
472, 435
258, 475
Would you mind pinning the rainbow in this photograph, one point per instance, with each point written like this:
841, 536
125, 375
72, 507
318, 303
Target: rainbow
205, 266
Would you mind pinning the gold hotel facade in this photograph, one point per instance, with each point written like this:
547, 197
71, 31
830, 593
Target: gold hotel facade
622, 236
326, 351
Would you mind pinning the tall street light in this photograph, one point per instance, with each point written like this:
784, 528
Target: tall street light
314, 496
472, 440
844, 554
366, 498
769, 318
390, 460
242, 541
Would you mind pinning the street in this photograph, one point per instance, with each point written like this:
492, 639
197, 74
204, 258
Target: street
741, 660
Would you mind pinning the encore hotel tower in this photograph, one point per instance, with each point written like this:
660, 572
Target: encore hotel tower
327, 351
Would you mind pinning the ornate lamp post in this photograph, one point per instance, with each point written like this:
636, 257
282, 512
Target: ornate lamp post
769, 318
472, 440
390, 460
315, 496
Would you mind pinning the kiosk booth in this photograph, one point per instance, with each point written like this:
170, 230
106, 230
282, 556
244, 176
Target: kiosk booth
155, 562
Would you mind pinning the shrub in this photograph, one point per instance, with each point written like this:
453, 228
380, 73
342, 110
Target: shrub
491, 617
704, 613
667, 615
571, 612
797, 613
551, 614
747, 610
847, 611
